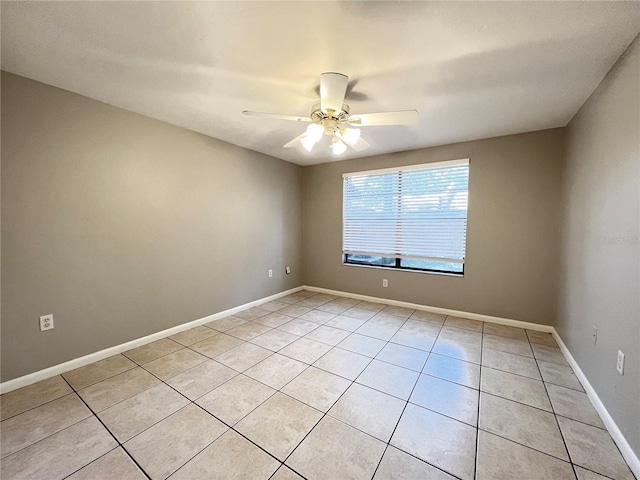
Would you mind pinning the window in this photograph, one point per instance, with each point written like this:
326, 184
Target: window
412, 218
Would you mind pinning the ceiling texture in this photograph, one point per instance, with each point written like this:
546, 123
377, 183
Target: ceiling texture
472, 69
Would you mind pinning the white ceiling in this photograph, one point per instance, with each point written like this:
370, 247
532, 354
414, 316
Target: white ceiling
472, 69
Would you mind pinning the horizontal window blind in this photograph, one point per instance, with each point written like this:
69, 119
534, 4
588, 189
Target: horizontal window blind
419, 212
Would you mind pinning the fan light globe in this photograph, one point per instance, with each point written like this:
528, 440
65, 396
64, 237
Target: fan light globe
314, 132
350, 135
338, 147
308, 143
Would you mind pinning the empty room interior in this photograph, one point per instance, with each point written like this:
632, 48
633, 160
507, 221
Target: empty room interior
320, 240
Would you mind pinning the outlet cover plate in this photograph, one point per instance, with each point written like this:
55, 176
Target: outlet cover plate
46, 322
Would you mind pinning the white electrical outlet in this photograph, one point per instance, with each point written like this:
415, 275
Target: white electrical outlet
287, 269
595, 335
46, 322
270, 273
620, 363
385, 282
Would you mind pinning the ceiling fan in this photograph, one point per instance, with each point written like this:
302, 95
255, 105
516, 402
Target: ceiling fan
331, 116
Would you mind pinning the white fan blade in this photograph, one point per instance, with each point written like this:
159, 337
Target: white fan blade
277, 116
403, 117
359, 145
333, 88
295, 141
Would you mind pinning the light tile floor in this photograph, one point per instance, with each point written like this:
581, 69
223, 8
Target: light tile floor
319, 387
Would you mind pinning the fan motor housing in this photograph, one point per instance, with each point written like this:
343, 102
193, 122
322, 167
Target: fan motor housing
330, 120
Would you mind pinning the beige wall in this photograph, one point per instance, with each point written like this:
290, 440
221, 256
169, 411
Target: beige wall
512, 240
122, 226
600, 261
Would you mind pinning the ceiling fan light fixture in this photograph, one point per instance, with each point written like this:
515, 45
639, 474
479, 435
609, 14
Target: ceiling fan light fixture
338, 147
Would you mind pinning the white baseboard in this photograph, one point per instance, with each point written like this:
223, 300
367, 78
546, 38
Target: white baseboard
445, 311
108, 352
626, 450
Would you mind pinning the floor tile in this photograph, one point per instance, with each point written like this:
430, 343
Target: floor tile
515, 387
406, 357
403, 312
293, 298
509, 362
336, 451
335, 308
230, 456
29, 427
505, 331
584, 474
294, 310
305, 350
285, 473
541, 338
276, 371
273, 320
244, 356
446, 443
52, 458
397, 465
509, 345
233, 400
369, 410
171, 443
420, 315
98, 371
371, 306
174, 363
592, 448
325, 296
273, 306
317, 316
193, 335
298, 326
500, 459
462, 350
31, 396
214, 346
251, 314
549, 354
573, 404
201, 379
279, 424
381, 328
311, 302
465, 323
151, 351
274, 340
559, 375
421, 335
457, 371
342, 362
359, 313
345, 323
317, 388
128, 418
388, 378
227, 323
522, 424
450, 399
248, 331
462, 335
328, 335
363, 345
115, 465
116, 389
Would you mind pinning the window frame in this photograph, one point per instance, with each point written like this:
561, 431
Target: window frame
398, 259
